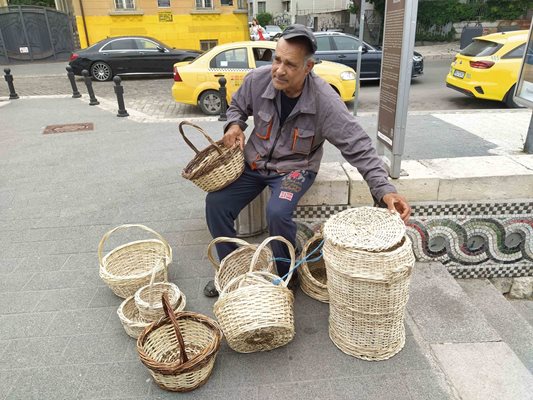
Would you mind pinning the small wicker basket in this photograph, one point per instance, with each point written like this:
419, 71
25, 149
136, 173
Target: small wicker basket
254, 312
238, 261
151, 309
128, 313
216, 166
129, 267
313, 277
180, 349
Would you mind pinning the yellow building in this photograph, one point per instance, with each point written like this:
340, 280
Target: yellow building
186, 24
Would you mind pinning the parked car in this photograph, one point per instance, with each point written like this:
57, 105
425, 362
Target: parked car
124, 55
488, 67
197, 82
343, 48
273, 31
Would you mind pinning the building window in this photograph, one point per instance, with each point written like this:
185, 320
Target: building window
204, 3
226, 2
261, 7
125, 4
241, 4
208, 44
163, 3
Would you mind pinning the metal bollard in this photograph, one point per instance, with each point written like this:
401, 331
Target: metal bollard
70, 74
119, 91
89, 85
9, 79
223, 105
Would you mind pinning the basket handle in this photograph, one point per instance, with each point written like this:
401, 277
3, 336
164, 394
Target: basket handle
235, 280
151, 285
263, 245
221, 239
170, 314
180, 127
109, 233
395, 275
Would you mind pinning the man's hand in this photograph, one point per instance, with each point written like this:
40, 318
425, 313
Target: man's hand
396, 202
234, 136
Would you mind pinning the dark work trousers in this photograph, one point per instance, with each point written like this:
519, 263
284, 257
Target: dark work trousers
224, 206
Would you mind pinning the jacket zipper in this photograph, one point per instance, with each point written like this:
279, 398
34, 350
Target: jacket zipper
278, 134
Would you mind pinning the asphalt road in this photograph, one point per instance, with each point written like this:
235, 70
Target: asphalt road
428, 92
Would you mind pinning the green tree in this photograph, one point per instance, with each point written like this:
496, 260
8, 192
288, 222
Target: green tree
264, 18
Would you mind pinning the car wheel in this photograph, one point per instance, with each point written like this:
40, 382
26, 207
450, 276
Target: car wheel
101, 71
508, 99
210, 102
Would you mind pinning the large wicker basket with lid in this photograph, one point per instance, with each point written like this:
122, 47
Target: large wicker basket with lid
369, 260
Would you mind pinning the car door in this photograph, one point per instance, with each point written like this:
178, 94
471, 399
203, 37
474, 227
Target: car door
232, 64
152, 57
118, 54
325, 49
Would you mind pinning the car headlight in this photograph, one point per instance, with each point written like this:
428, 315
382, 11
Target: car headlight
347, 76
418, 58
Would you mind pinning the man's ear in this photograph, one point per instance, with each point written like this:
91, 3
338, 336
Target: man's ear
310, 65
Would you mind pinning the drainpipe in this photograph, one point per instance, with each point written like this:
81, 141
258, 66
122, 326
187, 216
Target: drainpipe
84, 23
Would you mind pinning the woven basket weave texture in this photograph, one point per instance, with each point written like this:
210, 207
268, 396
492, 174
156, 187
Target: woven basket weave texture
312, 274
368, 286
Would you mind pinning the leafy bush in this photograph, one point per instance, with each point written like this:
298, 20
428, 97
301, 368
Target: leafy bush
264, 18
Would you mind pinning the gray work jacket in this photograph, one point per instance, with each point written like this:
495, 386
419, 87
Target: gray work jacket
319, 115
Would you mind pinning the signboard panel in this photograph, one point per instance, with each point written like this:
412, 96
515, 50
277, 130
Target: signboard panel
165, 16
524, 88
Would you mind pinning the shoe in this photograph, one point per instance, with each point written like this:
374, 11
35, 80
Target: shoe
210, 290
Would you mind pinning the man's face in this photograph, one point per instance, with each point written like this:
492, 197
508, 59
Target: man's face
290, 68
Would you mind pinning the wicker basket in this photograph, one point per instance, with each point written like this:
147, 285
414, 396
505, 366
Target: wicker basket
254, 313
238, 261
216, 166
313, 277
148, 299
129, 267
180, 350
368, 282
128, 313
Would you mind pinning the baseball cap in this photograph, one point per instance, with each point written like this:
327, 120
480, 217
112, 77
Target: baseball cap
296, 30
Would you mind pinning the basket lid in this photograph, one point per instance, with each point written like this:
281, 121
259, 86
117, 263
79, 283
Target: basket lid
365, 228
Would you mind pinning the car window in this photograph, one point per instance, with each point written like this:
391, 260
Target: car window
481, 48
144, 44
120, 44
323, 43
518, 52
346, 43
235, 58
263, 56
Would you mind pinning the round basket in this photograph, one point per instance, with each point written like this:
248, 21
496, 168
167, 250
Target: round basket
238, 261
129, 267
254, 312
216, 166
128, 313
180, 350
148, 299
313, 277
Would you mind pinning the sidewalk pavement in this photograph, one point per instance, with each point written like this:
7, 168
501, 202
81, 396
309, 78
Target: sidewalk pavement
60, 337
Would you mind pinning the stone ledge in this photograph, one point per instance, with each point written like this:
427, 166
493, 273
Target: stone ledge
332, 186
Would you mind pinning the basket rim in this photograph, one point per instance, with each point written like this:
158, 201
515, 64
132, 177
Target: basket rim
304, 267
143, 303
227, 156
104, 273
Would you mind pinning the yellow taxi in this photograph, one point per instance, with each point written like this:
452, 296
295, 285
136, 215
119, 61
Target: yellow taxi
196, 82
488, 67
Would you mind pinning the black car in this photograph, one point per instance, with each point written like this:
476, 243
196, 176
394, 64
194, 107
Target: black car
343, 48
124, 55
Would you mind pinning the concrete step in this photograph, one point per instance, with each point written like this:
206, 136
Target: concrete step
503, 317
471, 346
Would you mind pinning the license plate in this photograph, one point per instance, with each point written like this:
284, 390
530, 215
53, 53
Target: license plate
458, 74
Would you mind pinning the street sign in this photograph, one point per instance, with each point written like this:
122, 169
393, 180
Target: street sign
396, 71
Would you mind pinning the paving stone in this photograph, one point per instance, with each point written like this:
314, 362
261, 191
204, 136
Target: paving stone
65, 299
383, 387
81, 261
206, 392
186, 268
442, 311
40, 263
52, 280
91, 349
78, 322
488, 371
14, 282
58, 383
503, 317
525, 308
194, 252
15, 303
24, 325
104, 297
7, 381
34, 352
115, 380
309, 390
426, 385
8, 265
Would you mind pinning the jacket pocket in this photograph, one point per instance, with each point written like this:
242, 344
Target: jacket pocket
302, 140
263, 127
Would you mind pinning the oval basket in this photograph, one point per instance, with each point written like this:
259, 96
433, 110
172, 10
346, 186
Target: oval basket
180, 350
238, 261
254, 313
148, 299
313, 276
216, 166
128, 313
128, 267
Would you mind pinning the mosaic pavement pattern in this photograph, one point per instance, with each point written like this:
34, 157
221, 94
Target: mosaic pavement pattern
473, 240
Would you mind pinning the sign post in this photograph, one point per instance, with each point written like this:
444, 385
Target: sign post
359, 55
396, 71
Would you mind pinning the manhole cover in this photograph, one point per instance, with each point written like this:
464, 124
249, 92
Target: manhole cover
82, 126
